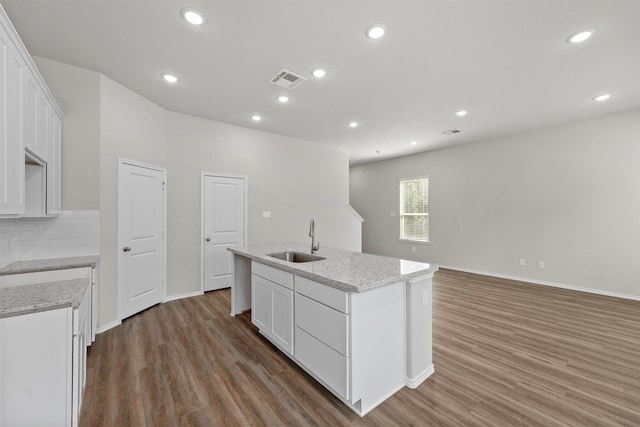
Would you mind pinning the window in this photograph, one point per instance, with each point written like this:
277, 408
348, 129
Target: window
414, 209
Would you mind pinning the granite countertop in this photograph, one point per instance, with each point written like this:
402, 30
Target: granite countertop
37, 265
25, 299
349, 271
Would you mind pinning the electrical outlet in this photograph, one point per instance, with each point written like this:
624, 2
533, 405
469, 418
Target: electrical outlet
413, 248
425, 298
540, 264
392, 213
523, 262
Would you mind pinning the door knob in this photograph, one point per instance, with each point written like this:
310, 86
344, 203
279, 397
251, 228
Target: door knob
208, 239
126, 249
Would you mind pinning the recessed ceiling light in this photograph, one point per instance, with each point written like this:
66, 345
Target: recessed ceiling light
602, 97
256, 117
283, 98
319, 73
170, 78
461, 113
378, 151
414, 142
192, 16
581, 35
376, 31
353, 124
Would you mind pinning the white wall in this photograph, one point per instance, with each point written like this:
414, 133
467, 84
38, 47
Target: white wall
133, 128
567, 195
77, 91
294, 179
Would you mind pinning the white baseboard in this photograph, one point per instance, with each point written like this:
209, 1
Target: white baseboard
545, 283
105, 328
181, 296
415, 382
110, 325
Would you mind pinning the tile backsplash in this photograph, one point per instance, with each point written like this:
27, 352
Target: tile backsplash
72, 233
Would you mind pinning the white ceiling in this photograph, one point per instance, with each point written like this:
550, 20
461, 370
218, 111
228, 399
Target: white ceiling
505, 61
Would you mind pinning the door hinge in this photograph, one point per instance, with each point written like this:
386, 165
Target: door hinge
162, 185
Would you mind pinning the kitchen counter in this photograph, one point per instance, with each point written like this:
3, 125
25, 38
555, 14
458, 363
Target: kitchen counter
51, 264
25, 299
347, 271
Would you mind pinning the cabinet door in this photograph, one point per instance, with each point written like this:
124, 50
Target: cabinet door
80, 326
282, 317
35, 369
12, 120
54, 166
272, 311
261, 303
79, 372
37, 118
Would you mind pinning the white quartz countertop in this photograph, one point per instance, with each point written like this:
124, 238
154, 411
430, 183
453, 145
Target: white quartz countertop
49, 264
349, 271
25, 299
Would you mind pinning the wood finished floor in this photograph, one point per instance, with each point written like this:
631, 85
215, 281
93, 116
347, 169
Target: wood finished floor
506, 353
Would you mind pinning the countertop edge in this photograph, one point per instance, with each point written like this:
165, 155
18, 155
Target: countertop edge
78, 287
50, 264
282, 265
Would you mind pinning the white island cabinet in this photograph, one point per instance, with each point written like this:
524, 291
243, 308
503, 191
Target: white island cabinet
359, 324
272, 313
352, 342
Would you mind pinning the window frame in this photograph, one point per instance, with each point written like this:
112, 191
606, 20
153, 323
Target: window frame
401, 213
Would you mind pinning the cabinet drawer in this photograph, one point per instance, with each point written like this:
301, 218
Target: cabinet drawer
329, 366
324, 323
327, 295
283, 278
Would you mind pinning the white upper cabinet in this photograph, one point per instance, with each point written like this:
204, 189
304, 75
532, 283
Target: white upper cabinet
12, 122
54, 165
37, 117
30, 122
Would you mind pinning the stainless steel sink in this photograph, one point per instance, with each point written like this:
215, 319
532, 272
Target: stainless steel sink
292, 256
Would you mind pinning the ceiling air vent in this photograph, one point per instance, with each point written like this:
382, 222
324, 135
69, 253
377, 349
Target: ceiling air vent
287, 79
451, 131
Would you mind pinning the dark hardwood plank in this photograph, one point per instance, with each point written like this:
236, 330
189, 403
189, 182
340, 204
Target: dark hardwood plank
507, 353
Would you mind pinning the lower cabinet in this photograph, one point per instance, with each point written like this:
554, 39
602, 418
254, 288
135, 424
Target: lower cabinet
81, 340
322, 333
35, 366
272, 305
43, 357
353, 343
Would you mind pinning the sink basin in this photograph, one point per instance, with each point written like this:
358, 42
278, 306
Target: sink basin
292, 256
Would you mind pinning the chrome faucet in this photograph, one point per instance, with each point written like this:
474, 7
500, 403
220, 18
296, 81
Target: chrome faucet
312, 233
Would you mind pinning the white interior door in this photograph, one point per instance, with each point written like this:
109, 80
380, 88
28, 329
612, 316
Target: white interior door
223, 227
141, 223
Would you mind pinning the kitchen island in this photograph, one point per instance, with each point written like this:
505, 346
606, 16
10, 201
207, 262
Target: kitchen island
360, 324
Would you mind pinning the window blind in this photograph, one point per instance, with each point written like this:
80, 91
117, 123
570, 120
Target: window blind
414, 209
